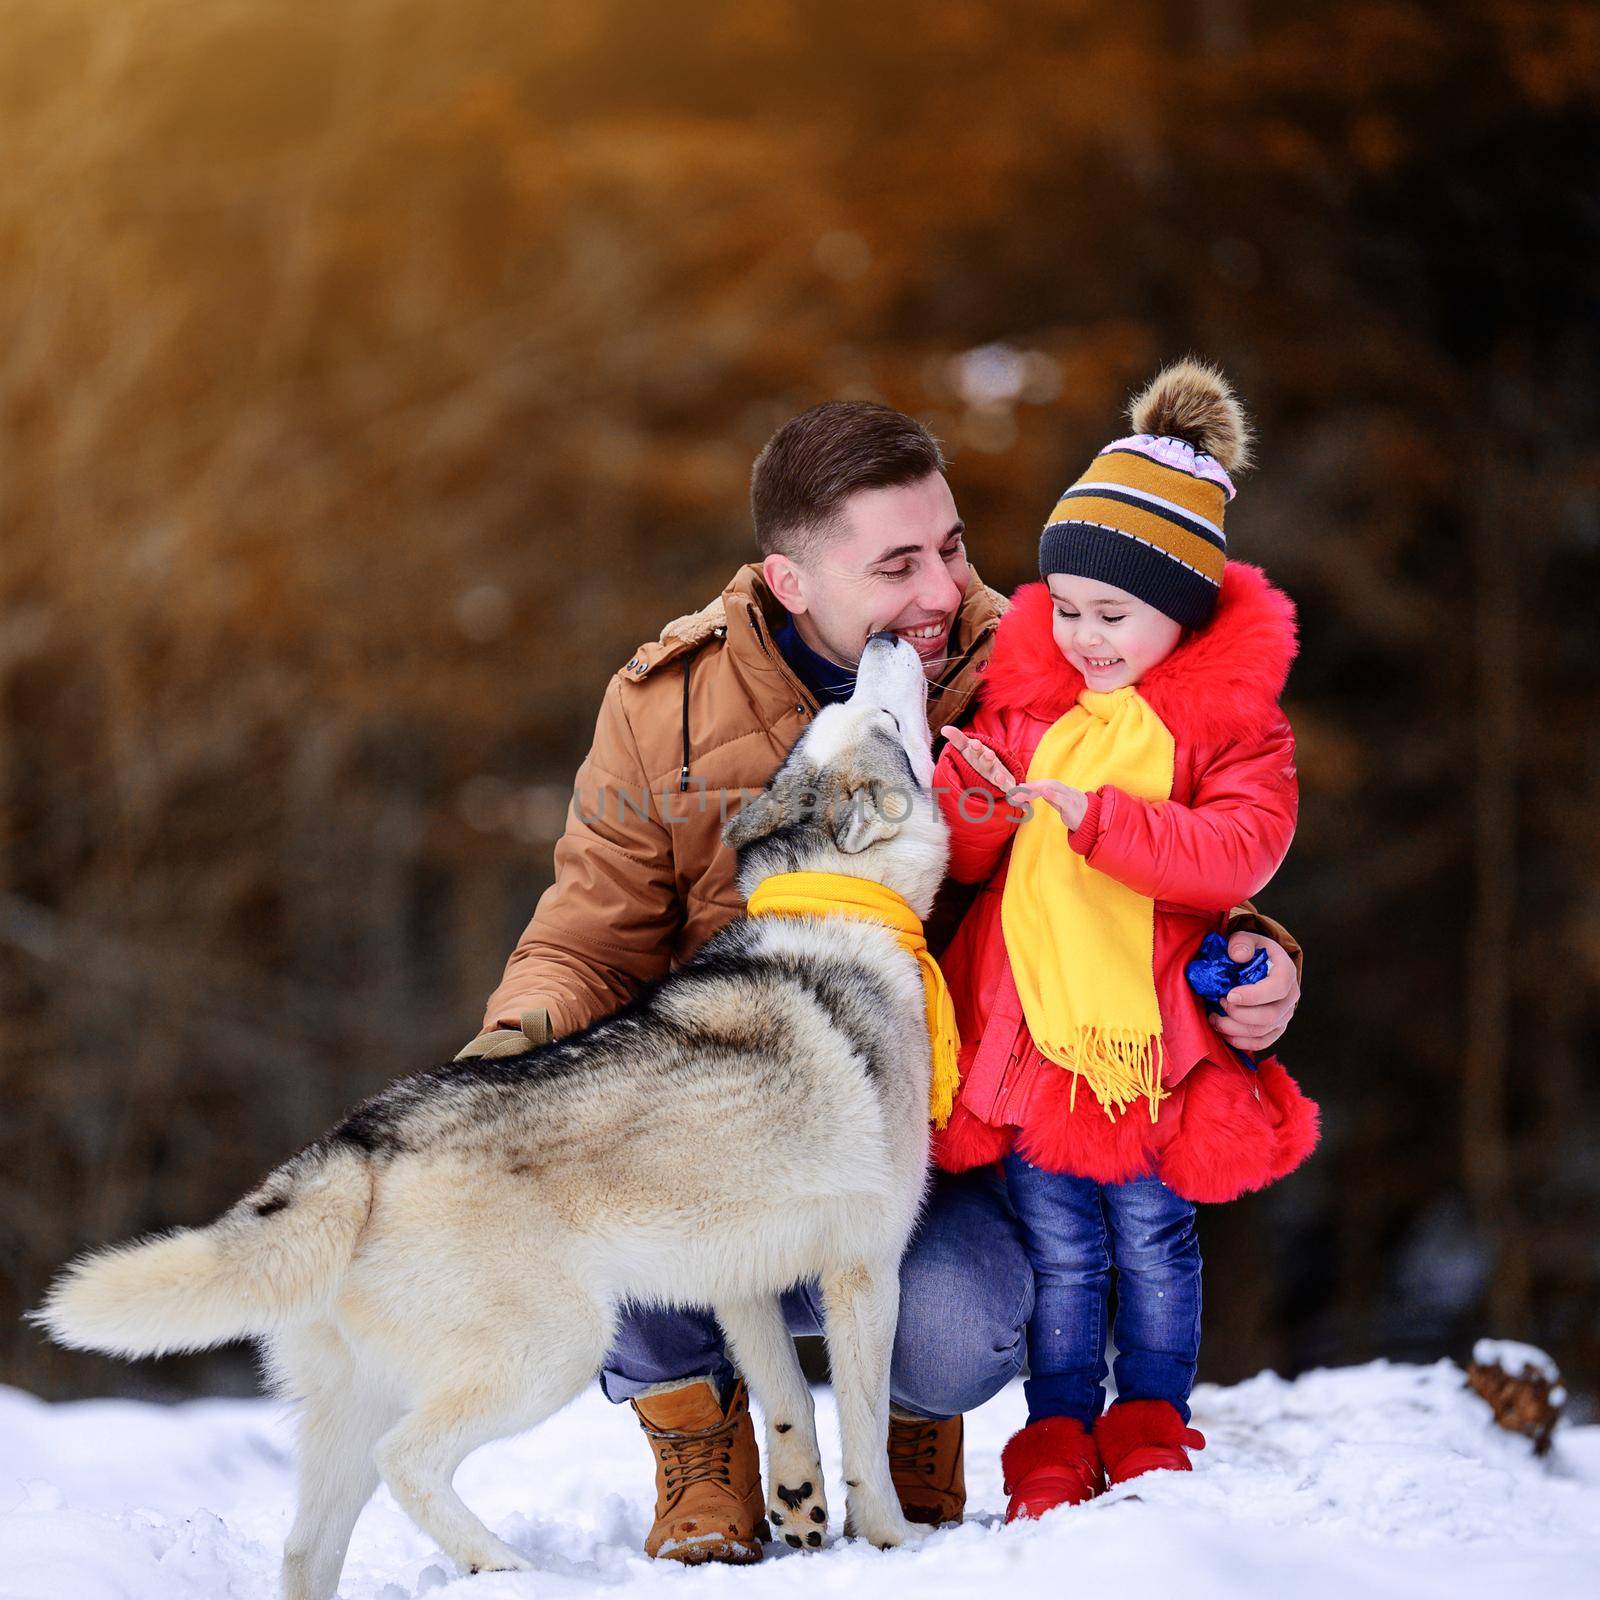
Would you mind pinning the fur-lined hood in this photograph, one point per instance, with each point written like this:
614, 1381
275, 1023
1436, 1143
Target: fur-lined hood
1221, 683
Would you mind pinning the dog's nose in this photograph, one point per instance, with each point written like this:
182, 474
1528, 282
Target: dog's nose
886, 644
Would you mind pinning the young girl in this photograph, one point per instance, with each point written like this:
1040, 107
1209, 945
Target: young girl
1136, 687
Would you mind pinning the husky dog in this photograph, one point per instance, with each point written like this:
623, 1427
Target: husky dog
445, 1267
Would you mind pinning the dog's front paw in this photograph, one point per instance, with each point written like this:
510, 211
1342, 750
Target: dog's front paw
502, 1561
888, 1528
799, 1512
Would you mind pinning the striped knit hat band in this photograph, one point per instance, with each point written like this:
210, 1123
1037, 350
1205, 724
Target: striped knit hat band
1147, 515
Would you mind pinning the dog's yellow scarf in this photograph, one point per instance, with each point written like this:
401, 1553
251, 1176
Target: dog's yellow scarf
832, 894
1082, 945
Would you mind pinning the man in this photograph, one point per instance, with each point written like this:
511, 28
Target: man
859, 534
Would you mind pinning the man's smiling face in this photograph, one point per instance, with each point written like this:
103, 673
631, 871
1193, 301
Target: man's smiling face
895, 563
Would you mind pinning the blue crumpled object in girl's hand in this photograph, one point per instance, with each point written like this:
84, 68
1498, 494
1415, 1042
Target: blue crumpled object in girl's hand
1214, 972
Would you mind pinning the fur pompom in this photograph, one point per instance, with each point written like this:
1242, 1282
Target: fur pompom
1193, 401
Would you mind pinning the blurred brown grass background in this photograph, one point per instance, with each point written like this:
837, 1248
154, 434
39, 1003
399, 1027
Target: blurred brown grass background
377, 375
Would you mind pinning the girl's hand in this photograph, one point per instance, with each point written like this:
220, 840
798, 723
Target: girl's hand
1071, 803
981, 759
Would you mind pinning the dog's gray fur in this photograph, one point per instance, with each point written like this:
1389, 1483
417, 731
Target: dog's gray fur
445, 1267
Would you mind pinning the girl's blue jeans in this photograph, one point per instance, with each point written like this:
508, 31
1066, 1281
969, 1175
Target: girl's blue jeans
1075, 1231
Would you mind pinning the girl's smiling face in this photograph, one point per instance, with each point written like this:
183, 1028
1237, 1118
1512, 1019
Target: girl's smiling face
1111, 637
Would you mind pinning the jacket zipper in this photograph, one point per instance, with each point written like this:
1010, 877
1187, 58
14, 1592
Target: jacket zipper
783, 668
960, 666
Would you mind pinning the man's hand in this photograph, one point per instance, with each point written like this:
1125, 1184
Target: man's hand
1255, 1014
535, 1031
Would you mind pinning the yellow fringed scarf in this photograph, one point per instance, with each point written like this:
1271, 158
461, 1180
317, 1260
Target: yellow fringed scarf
1082, 945
831, 894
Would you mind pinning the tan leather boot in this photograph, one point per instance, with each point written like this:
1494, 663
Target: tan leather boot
709, 1505
927, 1461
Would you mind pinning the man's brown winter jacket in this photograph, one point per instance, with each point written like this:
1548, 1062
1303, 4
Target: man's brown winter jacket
692, 726
695, 723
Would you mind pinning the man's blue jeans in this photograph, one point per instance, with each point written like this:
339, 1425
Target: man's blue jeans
965, 1294
1076, 1230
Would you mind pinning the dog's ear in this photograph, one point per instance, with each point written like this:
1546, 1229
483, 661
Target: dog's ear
863, 816
792, 797
754, 820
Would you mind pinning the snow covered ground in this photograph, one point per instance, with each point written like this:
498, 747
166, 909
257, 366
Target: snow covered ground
1342, 1485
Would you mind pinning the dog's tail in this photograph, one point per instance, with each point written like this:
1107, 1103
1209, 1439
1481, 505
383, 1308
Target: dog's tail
266, 1263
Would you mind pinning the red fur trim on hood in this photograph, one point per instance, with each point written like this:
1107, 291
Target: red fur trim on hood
1221, 683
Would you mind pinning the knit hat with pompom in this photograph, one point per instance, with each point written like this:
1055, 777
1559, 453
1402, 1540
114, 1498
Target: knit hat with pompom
1147, 515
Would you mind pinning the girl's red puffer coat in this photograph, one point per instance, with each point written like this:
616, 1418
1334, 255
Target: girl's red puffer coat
1222, 1130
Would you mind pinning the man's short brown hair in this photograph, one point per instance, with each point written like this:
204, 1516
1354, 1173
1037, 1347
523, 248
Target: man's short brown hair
816, 461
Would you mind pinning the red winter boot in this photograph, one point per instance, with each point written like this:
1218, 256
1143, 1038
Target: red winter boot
1052, 1462
1145, 1436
